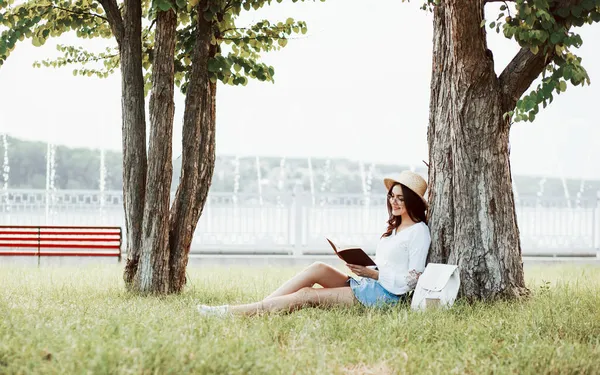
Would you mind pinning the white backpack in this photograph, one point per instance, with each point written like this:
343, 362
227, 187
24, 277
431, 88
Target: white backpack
437, 287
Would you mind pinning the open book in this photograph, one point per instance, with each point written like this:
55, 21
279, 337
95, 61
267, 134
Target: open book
353, 255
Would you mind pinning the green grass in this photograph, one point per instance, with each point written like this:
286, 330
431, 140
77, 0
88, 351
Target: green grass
80, 320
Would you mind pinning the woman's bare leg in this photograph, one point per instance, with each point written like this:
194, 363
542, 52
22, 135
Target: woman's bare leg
317, 273
306, 296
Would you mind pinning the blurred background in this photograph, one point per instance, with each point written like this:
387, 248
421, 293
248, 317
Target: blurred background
302, 158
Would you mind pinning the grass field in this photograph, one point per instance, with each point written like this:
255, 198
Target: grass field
80, 320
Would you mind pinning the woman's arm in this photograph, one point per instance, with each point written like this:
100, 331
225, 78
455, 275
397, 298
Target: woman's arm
402, 282
364, 271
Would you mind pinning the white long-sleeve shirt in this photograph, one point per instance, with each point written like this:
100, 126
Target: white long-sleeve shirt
401, 257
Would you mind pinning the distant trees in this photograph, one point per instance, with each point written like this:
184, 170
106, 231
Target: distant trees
75, 168
79, 168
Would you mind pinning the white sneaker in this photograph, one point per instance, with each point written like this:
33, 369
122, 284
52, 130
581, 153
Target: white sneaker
222, 310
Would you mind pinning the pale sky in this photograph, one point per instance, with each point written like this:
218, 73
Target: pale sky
355, 86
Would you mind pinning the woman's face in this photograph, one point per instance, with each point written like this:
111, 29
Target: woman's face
397, 201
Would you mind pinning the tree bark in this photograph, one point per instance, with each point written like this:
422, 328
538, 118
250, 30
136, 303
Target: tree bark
159, 239
198, 155
114, 18
472, 215
153, 270
128, 32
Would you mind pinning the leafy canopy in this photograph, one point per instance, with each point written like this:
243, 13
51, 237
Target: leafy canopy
238, 48
545, 27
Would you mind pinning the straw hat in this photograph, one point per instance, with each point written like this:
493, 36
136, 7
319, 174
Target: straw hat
409, 179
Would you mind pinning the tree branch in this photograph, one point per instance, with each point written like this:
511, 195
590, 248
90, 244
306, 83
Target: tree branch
559, 3
518, 75
565, 3
261, 37
151, 26
525, 67
228, 5
80, 13
113, 15
84, 60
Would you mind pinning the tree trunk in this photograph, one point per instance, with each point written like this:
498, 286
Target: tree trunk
159, 239
472, 214
198, 156
153, 269
134, 129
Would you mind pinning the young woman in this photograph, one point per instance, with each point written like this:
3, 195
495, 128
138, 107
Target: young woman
400, 258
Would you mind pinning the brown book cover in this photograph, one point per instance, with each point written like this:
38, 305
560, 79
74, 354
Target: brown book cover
353, 255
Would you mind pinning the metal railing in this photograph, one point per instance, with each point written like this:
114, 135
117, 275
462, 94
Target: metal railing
298, 224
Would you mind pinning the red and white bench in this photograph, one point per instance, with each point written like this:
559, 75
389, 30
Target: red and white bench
60, 241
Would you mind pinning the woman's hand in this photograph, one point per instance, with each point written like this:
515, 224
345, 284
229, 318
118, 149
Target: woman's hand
363, 271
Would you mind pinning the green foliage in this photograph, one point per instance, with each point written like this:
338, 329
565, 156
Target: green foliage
39, 20
245, 48
547, 29
73, 55
79, 319
236, 58
238, 49
544, 27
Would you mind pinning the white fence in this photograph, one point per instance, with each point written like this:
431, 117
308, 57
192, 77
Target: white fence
298, 224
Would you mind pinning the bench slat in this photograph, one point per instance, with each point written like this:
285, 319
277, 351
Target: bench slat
61, 246
55, 227
40, 240
66, 239
44, 233
57, 253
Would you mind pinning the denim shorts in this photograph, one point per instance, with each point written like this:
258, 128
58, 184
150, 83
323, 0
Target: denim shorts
371, 294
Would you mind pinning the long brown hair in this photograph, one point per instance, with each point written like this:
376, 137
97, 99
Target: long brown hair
414, 206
